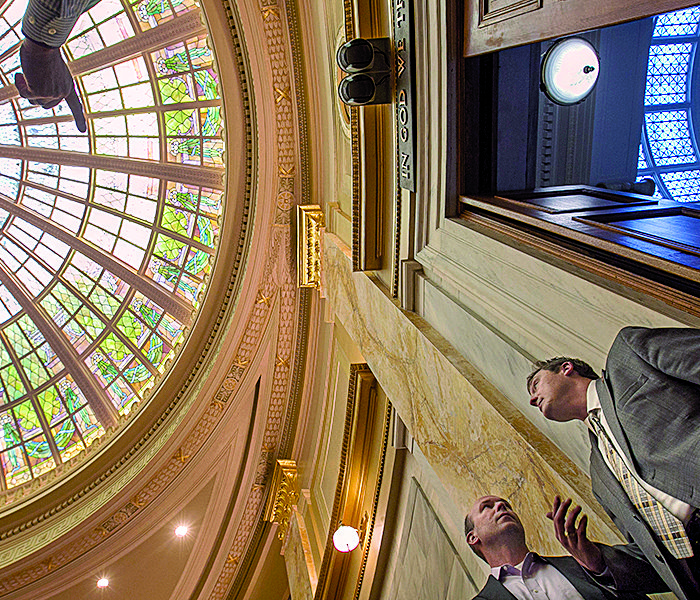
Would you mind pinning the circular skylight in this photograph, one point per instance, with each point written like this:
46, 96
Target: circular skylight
107, 237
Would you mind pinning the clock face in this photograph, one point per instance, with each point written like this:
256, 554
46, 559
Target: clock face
569, 70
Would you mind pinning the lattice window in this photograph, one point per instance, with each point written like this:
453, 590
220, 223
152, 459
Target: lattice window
678, 23
668, 152
103, 264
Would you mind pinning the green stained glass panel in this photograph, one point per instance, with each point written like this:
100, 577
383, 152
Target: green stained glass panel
16, 339
148, 310
77, 336
10, 435
152, 12
181, 122
137, 374
90, 322
153, 350
166, 360
31, 331
13, 384
122, 396
67, 440
15, 467
163, 273
49, 359
185, 150
72, 396
67, 298
175, 90
4, 356
102, 368
39, 454
182, 196
200, 53
132, 327
88, 425
51, 405
205, 231
210, 201
197, 262
206, 85
188, 288
211, 121
171, 249
27, 420
117, 351
170, 329
81, 281
34, 370
171, 60
55, 310
213, 153
104, 302
177, 220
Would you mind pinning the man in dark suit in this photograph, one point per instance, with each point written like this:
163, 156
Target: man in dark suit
644, 422
592, 572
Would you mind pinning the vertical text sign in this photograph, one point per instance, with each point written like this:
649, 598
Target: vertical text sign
403, 75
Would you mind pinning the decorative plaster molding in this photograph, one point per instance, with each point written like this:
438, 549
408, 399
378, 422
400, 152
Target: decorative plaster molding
284, 495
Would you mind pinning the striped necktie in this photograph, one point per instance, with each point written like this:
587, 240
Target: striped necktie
666, 526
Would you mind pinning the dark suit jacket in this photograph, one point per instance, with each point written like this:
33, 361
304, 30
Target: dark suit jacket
650, 395
634, 575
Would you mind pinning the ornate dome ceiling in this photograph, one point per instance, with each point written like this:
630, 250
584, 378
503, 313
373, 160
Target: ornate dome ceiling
107, 238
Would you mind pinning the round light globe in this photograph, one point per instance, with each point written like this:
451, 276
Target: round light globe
346, 538
569, 70
181, 531
102, 582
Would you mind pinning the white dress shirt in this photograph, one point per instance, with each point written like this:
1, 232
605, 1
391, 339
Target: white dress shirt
535, 579
677, 508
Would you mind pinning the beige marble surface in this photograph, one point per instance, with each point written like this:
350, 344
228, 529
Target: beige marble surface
301, 571
429, 567
476, 441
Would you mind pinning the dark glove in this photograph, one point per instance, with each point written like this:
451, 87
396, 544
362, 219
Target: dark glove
46, 80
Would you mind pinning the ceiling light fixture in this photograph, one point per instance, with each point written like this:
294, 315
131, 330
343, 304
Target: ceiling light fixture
103, 582
569, 71
181, 530
346, 538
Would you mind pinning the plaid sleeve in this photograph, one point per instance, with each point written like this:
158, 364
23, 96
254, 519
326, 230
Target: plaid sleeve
50, 21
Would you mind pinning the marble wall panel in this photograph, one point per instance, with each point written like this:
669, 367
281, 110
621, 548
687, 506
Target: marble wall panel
470, 433
301, 571
429, 567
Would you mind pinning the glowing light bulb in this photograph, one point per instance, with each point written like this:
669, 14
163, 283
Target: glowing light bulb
103, 582
346, 538
181, 531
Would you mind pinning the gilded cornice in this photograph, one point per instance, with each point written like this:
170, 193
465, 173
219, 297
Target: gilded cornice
284, 495
310, 223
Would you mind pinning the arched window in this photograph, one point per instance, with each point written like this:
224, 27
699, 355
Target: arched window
668, 151
106, 238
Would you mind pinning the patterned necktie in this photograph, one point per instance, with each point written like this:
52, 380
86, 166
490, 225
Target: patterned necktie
666, 526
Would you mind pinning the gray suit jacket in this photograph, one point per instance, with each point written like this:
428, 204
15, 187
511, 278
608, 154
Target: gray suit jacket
650, 395
632, 573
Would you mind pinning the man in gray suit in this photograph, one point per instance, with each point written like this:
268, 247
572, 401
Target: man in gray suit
592, 572
644, 420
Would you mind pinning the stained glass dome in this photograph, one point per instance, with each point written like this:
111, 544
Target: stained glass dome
668, 151
106, 238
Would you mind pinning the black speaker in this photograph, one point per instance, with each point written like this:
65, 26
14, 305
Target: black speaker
368, 63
